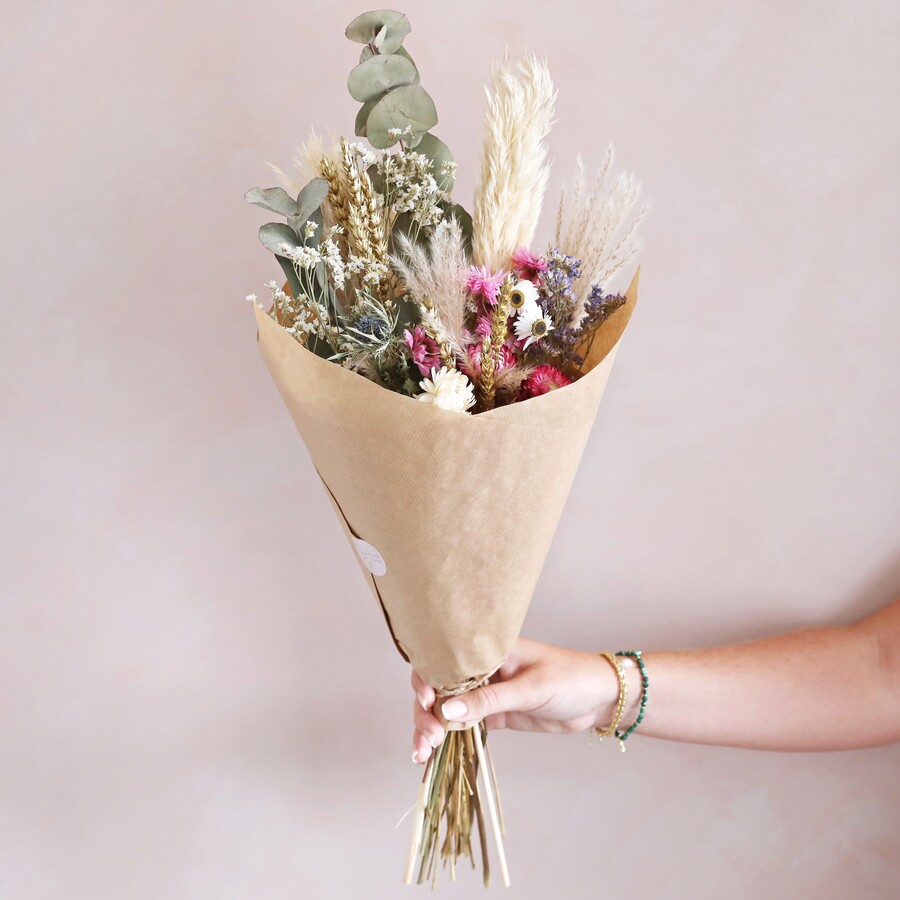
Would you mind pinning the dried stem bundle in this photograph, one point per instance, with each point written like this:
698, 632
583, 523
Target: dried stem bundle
453, 795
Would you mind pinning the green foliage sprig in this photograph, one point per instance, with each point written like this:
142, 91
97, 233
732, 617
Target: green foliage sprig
395, 106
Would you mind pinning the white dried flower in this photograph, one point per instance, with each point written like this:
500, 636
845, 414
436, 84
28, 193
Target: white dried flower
532, 323
523, 294
448, 389
302, 257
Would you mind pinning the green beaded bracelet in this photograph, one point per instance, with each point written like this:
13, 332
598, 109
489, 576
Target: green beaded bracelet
645, 689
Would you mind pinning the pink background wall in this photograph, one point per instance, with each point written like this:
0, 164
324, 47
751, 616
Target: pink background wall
198, 695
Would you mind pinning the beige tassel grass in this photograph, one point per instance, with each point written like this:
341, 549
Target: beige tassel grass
435, 275
306, 161
599, 225
514, 168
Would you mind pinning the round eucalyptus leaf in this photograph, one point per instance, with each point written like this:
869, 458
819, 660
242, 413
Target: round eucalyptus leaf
407, 106
299, 226
276, 200
359, 126
379, 74
311, 198
368, 54
364, 29
274, 234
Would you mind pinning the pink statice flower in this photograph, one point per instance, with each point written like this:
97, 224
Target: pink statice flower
543, 380
482, 284
528, 266
423, 349
505, 360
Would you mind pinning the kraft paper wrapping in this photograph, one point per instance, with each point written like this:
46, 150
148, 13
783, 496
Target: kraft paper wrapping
461, 508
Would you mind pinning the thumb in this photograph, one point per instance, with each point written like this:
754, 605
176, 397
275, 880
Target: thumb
504, 696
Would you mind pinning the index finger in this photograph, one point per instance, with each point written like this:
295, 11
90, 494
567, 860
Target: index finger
424, 692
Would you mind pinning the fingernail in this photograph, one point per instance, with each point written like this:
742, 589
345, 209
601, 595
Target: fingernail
423, 704
415, 756
434, 739
454, 709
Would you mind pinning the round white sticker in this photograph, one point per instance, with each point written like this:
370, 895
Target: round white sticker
371, 558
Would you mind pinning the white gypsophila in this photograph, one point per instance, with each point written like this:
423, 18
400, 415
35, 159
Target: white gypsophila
449, 389
410, 186
302, 257
524, 293
532, 323
331, 255
376, 271
362, 153
310, 229
251, 298
356, 264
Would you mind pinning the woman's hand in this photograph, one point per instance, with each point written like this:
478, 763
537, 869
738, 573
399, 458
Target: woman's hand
539, 687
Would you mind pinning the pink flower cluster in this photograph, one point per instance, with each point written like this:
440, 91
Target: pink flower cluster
506, 359
541, 381
482, 284
423, 349
528, 266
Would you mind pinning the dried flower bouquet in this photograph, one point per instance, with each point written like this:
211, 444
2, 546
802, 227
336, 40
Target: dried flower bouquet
395, 293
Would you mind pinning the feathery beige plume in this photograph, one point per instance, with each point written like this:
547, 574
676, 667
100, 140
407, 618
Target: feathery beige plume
306, 162
507, 381
599, 225
514, 168
436, 274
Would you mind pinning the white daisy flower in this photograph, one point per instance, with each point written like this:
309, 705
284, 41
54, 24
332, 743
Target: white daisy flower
522, 294
448, 389
532, 323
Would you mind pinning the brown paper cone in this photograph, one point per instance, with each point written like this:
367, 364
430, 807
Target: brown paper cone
461, 508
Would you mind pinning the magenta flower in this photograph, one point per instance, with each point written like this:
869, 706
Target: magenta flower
505, 360
484, 326
527, 265
423, 349
543, 380
481, 283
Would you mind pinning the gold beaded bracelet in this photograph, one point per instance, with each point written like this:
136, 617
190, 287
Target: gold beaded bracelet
623, 696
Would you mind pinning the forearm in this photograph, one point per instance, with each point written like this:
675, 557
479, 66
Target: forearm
820, 689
